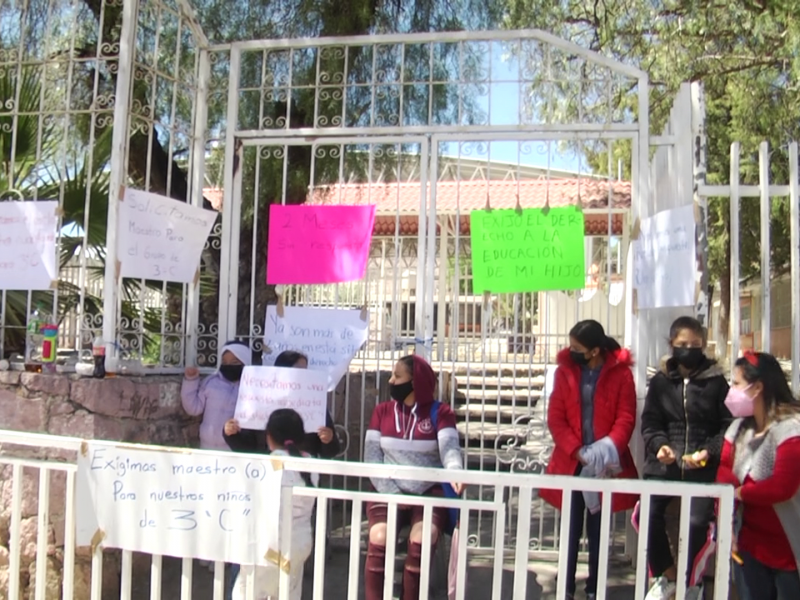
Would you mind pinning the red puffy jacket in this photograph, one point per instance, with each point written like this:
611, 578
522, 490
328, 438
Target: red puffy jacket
614, 416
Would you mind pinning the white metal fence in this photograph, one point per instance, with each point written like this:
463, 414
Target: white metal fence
502, 572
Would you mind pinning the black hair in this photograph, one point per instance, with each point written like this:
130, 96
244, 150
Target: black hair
289, 358
408, 361
591, 335
778, 397
686, 324
285, 427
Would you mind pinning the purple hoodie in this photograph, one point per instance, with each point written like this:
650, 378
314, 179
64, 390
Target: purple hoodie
214, 398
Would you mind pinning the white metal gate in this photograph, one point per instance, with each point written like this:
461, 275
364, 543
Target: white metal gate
422, 125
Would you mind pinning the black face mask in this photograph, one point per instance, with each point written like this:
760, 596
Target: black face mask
579, 357
689, 358
401, 391
231, 372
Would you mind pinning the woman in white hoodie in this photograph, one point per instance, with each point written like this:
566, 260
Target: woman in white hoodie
285, 432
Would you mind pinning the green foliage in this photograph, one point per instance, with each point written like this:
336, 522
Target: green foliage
745, 54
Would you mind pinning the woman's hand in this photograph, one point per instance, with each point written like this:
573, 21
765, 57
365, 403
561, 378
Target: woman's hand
191, 373
232, 427
665, 455
698, 460
737, 495
458, 487
325, 435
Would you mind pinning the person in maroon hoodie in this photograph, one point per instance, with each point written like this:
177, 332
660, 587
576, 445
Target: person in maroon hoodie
412, 430
591, 415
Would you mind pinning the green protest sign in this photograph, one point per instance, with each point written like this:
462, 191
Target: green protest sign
527, 251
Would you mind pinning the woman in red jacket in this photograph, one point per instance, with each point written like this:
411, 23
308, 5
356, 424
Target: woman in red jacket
760, 455
591, 416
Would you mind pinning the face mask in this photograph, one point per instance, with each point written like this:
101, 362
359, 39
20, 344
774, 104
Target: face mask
579, 357
401, 391
231, 372
739, 402
690, 358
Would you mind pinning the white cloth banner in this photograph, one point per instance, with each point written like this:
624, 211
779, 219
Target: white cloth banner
161, 238
330, 338
265, 389
28, 233
665, 260
179, 503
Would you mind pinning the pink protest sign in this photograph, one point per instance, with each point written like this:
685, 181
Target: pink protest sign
318, 244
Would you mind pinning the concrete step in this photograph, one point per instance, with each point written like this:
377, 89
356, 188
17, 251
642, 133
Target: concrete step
520, 396
492, 370
488, 434
488, 411
522, 381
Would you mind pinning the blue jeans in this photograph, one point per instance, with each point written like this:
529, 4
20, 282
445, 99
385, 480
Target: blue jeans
756, 581
233, 573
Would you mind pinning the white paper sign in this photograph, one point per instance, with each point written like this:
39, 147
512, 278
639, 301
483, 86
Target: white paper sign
665, 260
330, 338
161, 238
178, 503
28, 233
265, 389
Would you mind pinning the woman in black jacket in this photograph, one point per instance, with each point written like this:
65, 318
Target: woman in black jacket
323, 444
683, 424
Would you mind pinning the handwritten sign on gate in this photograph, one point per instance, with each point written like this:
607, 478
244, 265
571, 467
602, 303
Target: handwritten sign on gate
263, 390
527, 251
330, 338
318, 244
665, 260
161, 238
178, 503
28, 233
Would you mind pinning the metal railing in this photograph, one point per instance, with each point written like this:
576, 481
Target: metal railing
508, 554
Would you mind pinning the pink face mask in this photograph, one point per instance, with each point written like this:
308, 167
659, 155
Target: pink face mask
739, 402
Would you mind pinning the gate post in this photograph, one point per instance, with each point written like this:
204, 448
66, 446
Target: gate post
119, 169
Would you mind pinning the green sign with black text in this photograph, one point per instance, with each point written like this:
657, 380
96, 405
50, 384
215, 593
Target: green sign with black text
527, 251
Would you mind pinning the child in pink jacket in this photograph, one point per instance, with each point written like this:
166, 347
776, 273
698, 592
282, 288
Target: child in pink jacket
215, 397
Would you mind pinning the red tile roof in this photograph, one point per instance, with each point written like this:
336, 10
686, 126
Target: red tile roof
399, 202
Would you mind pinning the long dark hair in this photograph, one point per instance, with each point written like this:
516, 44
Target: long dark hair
285, 427
591, 335
289, 358
778, 398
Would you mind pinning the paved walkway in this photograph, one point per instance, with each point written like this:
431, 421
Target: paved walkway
541, 580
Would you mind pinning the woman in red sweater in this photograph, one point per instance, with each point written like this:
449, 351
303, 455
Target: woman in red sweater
760, 456
591, 416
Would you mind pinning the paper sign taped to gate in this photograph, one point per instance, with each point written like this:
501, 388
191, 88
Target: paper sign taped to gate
183, 504
161, 238
28, 233
527, 251
318, 244
665, 260
330, 338
263, 390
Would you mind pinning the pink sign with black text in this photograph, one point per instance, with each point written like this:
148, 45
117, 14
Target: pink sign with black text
318, 244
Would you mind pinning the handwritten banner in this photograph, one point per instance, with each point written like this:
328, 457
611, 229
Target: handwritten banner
330, 338
178, 503
665, 260
161, 238
263, 390
318, 244
28, 245
527, 251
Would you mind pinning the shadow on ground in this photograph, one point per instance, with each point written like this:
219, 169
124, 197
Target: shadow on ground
540, 579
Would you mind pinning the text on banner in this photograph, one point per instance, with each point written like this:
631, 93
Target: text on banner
527, 251
318, 244
28, 245
178, 503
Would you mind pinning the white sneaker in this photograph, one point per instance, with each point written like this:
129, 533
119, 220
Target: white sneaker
662, 589
694, 593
